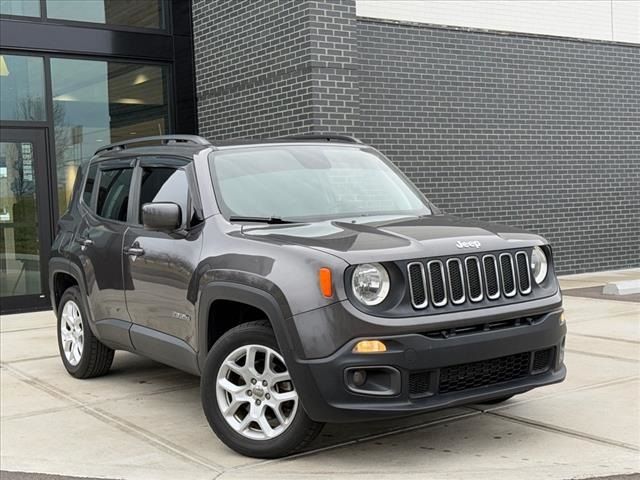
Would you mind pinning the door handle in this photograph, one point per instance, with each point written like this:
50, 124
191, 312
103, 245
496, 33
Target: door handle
84, 242
134, 251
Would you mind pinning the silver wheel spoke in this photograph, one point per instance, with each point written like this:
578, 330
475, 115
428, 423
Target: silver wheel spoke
230, 387
278, 414
232, 408
280, 377
242, 426
77, 351
237, 369
285, 396
65, 334
265, 427
250, 363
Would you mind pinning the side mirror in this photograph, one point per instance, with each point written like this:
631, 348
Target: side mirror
161, 216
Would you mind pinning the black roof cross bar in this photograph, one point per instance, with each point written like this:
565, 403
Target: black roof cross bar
162, 139
327, 137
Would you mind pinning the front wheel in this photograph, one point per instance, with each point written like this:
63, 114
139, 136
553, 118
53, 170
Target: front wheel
249, 398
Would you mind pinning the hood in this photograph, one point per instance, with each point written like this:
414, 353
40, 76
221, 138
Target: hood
385, 238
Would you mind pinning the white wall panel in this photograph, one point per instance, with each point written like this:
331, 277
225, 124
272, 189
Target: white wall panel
617, 20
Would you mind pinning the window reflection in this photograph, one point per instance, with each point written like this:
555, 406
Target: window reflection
97, 103
26, 8
138, 13
19, 245
21, 88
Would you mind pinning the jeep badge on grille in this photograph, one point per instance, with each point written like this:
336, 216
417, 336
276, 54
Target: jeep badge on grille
471, 244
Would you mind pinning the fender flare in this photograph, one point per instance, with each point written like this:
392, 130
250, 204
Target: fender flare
237, 292
66, 266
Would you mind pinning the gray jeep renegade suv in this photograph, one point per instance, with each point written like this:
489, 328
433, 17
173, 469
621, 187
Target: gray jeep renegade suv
304, 279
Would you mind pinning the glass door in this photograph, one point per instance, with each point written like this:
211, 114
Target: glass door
25, 224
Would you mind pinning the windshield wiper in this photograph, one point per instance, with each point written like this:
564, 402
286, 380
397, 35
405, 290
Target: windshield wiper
269, 220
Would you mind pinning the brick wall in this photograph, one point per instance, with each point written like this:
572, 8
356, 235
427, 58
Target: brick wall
253, 71
275, 67
535, 132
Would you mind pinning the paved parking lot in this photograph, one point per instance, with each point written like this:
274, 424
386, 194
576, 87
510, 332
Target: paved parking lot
144, 420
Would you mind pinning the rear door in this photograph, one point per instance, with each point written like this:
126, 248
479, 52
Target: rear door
99, 239
159, 266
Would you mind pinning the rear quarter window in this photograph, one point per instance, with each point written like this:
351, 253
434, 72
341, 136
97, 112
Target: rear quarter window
113, 193
89, 183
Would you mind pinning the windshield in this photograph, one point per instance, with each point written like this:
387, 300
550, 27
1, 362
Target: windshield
310, 182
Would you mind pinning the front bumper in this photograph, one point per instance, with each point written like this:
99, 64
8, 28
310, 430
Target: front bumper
435, 372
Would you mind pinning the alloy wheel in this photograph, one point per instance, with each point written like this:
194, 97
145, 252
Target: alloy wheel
255, 393
72, 333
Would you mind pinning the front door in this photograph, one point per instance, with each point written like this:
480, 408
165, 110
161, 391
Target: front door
159, 266
25, 222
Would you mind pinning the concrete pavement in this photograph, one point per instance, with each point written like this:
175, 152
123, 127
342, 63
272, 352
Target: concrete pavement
144, 420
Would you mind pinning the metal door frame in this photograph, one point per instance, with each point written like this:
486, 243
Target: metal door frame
37, 136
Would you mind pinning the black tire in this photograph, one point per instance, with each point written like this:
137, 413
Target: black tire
496, 401
298, 434
96, 358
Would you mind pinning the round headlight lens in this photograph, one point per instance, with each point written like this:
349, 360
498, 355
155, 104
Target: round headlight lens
370, 283
539, 265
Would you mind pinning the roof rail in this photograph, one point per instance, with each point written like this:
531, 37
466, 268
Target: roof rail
162, 139
329, 137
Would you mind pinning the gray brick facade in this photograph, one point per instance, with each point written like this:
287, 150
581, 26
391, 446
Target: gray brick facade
541, 133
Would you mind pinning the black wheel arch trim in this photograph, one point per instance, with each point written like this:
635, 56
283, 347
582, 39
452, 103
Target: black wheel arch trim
66, 266
238, 292
288, 343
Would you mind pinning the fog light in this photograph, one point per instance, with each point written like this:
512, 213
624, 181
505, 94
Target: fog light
369, 346
359, 378
562, 319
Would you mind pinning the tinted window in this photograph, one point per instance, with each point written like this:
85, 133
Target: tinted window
162, 184
88, 186
113, 193
138, 13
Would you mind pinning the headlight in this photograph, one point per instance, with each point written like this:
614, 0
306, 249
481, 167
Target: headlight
370, 283
539, 265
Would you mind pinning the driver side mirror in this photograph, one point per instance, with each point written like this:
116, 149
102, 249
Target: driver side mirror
161, 216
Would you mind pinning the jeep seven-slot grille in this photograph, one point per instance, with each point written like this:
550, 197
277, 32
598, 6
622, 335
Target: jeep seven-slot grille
485, 373
459, 280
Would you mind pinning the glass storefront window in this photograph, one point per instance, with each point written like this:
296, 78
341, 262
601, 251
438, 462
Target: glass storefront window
22, 88
138, 13
19, 245
25, 8
96, 103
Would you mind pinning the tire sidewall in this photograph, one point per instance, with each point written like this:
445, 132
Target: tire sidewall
281, 445
73, 294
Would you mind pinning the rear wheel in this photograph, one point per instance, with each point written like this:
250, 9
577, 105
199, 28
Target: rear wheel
83, 355
249, 397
